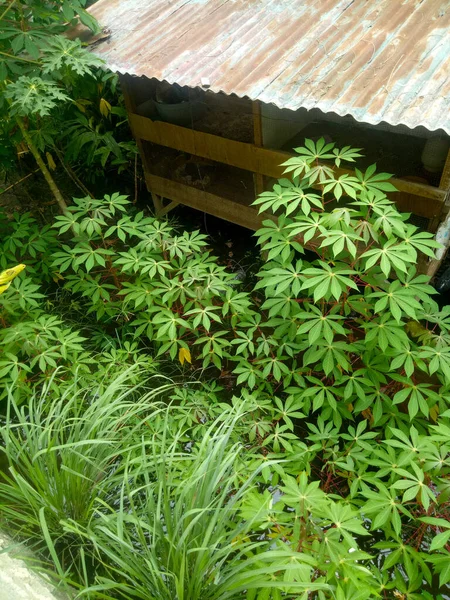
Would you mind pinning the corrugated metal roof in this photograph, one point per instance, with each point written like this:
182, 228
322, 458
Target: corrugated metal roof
377, 60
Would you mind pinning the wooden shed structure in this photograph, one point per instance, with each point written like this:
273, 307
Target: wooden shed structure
219, 92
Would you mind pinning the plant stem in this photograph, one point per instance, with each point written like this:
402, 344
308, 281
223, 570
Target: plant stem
43, 167
18, 182
7, 9
28, 60
71, 173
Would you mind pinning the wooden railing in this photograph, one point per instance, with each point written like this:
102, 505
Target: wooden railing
240, 154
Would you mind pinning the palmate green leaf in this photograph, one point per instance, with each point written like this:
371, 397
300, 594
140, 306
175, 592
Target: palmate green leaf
413, 446
90, 257
320, 394
272, 229
418, 285
204, 316
25, 293
368, 200
384, 508
290, 196
414, 486
419, 396
33, 95
440, 539
280, 439
62, 53
391, 256
438, 360
280, 245
12, 366
319, 325
213, 347
341, 218
340, 241
346, 521
297, 165
280, 196
356, 385
282, 305
399, 300
346, 153
344, 184
308, 155
280, 279
66, 222
273, 366
319, 174
247, 373
130, 261
407, 359
386, 332
140, 293
389, 221
306, 227
167, 323
331, 355
422, 241
328, 281
301, 495
375, 182
441, 564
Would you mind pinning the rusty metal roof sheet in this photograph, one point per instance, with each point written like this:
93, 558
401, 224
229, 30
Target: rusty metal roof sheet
377, 60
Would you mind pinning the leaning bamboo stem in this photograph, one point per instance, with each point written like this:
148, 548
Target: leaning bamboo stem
42, 166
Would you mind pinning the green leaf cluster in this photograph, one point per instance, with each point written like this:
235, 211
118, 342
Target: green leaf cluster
339, 351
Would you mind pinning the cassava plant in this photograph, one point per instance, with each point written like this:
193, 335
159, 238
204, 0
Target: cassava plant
340, 350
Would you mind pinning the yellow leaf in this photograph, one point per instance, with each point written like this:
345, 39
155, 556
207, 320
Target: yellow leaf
57, 277
3, 288
184, 355
9, 274
105, 107
367, 414
50, 161
434, 412
81, 104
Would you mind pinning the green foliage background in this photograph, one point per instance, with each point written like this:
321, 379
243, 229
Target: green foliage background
338, 361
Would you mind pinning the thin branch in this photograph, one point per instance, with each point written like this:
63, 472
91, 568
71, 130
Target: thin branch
20, 181
73, 176
35, 62
10, 5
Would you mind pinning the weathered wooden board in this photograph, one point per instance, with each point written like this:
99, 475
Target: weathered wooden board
204, 201
242, 155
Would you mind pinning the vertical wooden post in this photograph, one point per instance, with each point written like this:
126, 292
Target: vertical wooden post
444, 184
130, 105
258, 179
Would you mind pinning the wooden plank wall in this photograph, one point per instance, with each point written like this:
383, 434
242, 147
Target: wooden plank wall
248, 156
422, 200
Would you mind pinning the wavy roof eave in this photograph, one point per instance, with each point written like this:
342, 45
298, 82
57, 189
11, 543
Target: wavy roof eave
376, 60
